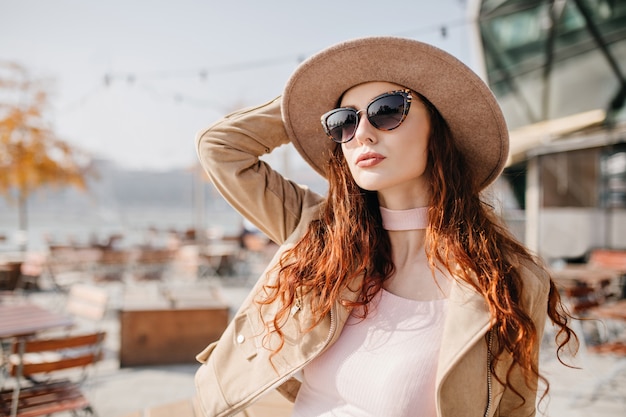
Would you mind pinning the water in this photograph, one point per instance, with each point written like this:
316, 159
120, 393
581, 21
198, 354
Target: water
139, 225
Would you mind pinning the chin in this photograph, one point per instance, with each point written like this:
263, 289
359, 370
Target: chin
372, 181
368, 186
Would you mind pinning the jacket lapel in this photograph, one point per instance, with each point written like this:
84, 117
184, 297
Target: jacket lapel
467, 320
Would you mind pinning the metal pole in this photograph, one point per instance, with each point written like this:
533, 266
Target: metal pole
533, 204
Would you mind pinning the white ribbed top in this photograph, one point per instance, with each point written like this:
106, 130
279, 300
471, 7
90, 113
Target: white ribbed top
384, 365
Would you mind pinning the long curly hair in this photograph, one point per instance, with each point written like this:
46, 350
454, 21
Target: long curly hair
464, 235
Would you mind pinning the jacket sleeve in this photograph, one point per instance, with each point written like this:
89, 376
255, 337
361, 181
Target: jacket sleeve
230, 152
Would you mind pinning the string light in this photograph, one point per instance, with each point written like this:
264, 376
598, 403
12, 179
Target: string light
204, 74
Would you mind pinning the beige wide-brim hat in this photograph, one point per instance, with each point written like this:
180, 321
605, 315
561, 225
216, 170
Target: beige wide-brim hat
463, 99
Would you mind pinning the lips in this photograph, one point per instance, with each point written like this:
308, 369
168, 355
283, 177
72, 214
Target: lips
369, 159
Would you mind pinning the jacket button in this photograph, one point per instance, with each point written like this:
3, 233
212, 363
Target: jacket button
240, 339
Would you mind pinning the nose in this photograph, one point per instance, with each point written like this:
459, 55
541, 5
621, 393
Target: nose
365, 132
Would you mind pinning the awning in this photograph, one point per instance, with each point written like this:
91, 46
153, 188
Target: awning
525, 139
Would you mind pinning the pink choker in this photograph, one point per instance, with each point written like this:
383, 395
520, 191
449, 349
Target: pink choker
411, 219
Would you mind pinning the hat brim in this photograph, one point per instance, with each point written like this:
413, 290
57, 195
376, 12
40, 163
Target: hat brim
466, 103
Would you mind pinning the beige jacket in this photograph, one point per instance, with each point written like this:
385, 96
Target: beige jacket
237, 369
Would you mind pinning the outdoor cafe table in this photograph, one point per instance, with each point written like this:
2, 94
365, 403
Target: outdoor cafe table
575, 274
20, 321
615, 310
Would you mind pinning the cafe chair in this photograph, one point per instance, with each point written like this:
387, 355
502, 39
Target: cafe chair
50, 375
152, 264
112, 265
87, 303
612, 319
66, 265
581, 297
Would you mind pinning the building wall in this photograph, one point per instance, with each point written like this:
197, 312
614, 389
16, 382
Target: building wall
544, 62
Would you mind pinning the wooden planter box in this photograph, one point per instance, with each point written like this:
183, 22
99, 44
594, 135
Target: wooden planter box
168, 335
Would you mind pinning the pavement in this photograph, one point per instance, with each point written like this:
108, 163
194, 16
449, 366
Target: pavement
598, 389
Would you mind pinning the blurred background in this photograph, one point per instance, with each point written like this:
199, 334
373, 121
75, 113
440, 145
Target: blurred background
100, 103
129, 84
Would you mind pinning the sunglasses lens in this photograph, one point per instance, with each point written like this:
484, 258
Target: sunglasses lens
341, 124
386, 112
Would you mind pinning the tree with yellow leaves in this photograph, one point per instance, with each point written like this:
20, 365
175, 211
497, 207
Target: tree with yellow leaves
32, 156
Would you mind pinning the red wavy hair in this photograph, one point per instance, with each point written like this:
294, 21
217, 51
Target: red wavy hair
347, 241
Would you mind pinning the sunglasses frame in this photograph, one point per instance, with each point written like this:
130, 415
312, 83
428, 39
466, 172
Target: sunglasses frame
406, 95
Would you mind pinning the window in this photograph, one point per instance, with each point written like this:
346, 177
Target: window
547, 60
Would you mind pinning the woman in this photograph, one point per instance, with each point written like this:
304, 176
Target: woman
399, 293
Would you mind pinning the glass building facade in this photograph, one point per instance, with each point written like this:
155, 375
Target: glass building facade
549, 59
552, 64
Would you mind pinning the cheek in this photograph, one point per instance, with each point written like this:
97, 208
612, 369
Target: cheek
348, 156
414, 146
414, 158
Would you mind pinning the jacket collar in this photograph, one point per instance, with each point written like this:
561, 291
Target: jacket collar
467, 320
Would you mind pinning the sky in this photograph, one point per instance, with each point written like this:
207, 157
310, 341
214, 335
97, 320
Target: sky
133, 81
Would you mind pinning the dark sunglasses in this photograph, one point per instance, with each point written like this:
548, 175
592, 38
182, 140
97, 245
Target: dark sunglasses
385, 112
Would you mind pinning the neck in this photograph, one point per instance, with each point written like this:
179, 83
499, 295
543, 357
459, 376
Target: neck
411, 219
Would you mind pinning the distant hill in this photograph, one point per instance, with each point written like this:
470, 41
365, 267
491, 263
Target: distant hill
117, 187
130, 202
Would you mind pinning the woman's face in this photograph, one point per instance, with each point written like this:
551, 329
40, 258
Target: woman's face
392, 163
